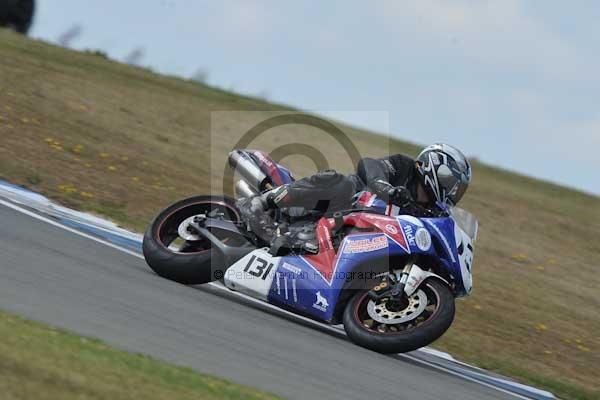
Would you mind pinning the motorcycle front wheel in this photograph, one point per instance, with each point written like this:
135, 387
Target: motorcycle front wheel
181, 257
384, 327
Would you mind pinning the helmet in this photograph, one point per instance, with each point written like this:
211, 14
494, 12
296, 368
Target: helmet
444, 172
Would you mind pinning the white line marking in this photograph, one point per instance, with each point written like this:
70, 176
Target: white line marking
330, 328
66, 228
468, 378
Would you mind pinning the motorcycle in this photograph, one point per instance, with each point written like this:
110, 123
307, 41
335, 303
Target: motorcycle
389, 277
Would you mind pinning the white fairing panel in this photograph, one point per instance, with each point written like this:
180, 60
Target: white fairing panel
464, 245
416, 277
253, 274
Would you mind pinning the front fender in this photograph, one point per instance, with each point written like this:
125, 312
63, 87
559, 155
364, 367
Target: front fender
416, 277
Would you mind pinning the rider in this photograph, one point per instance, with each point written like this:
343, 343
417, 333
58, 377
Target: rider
441, 173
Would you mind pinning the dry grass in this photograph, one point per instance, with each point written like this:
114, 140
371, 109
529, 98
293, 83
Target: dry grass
123, 142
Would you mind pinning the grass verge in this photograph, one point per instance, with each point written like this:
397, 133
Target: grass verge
39, 362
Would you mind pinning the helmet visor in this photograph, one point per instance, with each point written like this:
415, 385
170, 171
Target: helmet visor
454, 184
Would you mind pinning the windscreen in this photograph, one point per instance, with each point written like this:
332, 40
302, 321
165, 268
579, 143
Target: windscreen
466, 221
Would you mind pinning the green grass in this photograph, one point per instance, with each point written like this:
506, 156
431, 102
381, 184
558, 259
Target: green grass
124, 142
39, 362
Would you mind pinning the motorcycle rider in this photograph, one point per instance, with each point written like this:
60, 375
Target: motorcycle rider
441, 173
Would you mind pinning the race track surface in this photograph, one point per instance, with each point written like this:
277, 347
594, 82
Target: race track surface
57, 277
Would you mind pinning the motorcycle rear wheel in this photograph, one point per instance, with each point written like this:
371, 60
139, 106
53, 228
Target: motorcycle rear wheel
433, 321
187, 262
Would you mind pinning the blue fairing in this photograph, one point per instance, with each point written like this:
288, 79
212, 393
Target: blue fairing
297, 281
305, 287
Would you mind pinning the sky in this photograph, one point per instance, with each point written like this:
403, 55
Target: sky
514, 83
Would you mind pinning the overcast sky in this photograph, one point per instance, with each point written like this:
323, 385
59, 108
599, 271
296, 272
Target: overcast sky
514, 83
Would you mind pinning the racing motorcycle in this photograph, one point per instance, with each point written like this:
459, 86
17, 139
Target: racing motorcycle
389, 277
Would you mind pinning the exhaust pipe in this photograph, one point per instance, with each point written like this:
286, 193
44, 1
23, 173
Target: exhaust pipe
250, 172
242, 190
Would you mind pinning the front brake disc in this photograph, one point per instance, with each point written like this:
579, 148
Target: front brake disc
378, 311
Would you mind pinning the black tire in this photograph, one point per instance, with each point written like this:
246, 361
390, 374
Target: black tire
195, 265
409, 339
17, 14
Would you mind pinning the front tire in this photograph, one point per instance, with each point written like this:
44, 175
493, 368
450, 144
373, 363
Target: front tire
187, 262
401, 338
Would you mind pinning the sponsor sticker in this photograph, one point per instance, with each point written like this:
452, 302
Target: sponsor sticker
423, 239
410, 235
366, 245
391, 229
321, 303
291, 268
263, 159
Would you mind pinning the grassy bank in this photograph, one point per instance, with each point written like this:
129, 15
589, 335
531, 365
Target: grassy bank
123, 142
39, 362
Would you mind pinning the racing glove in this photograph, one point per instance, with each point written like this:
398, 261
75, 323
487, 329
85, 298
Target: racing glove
398, 195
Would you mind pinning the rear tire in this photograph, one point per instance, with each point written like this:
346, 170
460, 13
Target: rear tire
411, 338
195, 263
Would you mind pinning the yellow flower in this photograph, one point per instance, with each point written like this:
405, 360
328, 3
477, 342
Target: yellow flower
86, 195
25, 120
88, 165
552, 261
547, 352
477, 307
540, 268
541, 327
112, 168
56, 147
104, 155
583, 348
520, 257
67, 188
49, 140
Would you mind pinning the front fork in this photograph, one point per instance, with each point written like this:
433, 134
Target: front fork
401, 278
404, 283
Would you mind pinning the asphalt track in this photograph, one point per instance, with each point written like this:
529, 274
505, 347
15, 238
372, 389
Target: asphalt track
60, 278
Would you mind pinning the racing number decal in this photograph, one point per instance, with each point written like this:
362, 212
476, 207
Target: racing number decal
258, 267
